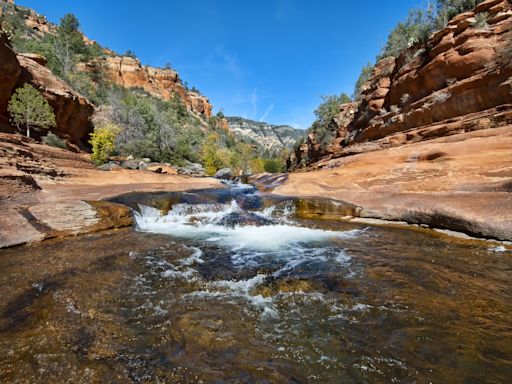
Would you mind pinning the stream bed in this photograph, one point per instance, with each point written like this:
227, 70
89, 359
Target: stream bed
230, 286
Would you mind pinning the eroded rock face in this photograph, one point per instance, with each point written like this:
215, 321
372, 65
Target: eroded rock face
72, 111
462, 182
313, 150
9, 73
459, 81
164, 83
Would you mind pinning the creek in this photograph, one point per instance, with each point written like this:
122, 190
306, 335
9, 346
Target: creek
234, 286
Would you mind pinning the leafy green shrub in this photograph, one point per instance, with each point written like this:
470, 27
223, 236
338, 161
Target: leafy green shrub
83, 83
54, 141
28, 108
273, 165
325, 113
481, 21
12, 20
130, 53
62, 48
103, 141
416, 28
447, 9
330, 107
364, 76
257, 165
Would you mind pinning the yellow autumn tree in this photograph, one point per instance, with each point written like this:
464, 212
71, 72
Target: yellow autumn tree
103, 141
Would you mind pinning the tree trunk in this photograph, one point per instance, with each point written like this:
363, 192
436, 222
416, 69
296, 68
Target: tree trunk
28, 131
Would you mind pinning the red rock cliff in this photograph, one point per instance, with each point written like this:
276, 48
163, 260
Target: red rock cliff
9, 73
164, 83
72, 111
459, 81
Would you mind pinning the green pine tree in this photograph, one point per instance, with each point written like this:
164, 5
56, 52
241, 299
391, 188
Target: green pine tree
28, 108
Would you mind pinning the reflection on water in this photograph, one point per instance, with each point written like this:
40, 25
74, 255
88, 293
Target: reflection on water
215, 293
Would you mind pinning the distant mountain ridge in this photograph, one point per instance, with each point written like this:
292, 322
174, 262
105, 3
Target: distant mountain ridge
267, 137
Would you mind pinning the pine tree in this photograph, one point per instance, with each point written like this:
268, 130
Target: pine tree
28, 108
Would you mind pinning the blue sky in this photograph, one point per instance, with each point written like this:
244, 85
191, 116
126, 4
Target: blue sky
267, 60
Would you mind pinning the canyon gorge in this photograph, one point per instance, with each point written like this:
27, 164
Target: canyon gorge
147, 237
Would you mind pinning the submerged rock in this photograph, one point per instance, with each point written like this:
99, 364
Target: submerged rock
290, 285
244, 218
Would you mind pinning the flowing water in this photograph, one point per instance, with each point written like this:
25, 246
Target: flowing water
232, 287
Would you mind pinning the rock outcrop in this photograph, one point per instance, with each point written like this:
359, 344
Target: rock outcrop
266, 137
462, 182
128, 72
10, 70
48, 192
72, 111
458, 81
430, 141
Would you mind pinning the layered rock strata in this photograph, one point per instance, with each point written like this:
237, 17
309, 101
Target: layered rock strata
458, 81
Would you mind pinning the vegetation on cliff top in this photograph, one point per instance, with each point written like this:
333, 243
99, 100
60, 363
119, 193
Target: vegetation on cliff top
416, 28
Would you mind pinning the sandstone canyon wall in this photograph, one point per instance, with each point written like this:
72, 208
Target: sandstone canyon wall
72, 111
128, 72
460, 80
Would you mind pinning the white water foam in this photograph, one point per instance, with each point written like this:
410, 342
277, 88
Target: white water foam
239, 289
201, 222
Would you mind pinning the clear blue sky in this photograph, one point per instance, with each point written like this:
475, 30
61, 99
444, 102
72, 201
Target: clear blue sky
267, 60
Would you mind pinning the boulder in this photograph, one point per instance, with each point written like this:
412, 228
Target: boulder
130, 164
110, 166
224, 173
191, 169
162, 168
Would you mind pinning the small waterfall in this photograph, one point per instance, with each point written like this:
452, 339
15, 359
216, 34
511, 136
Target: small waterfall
228, 224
